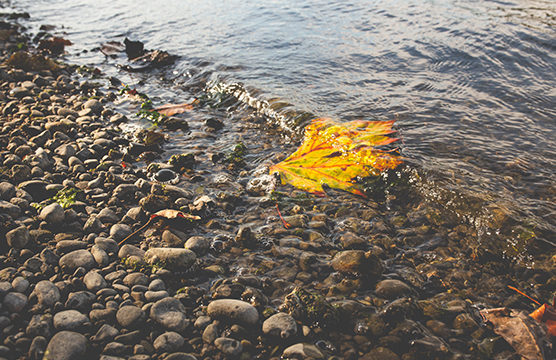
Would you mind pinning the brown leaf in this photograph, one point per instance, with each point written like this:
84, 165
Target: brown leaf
175, 214
519, 330
173, 109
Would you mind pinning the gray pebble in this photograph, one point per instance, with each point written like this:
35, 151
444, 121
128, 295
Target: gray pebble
235, 311
228, 346
69, 320
280, 325
20, 284
119, 232
77, 258
302, 351
171, 258
94, 281
130, 317
168, 342
392, 289
170, 313
47, 293
66, 345
198, 244
18, 237
15, 302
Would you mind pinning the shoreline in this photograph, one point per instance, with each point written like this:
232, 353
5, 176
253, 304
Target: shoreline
68, 290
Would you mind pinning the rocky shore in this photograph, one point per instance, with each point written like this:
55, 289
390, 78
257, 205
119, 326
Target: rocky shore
345, 280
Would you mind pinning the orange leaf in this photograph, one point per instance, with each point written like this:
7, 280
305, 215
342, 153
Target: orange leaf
335, 154
173, 109
547, 314
174, 214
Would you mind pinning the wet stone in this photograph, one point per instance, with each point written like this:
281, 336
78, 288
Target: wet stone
198, 244
392, 289
357, 261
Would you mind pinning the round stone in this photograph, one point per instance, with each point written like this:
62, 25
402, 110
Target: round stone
53, 214
228, 346
166, 175
392, 289
119, 232
302, 351
47, 293
280, 325
18, 237
233, 311
168, 342
130, 317
15, 302
66, 345
170, 313
78, 258
69, 320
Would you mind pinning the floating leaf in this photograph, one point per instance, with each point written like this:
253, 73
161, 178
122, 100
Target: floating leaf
336, 153
519, 330
173, 109
546, 314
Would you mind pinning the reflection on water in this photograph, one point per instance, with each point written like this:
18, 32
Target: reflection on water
471, 84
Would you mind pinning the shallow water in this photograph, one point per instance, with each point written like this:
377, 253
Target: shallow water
471, 84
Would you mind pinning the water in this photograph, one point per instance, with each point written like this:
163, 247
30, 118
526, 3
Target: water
472, 84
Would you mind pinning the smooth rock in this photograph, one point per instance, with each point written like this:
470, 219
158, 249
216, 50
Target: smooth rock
357, 261
302, 351
53, 214
170, 258
170, 313
69, 320
168, 342
80, 300
391, 289
119, 232
20, 284
11, 209
280, 325
78, 258
18, 237
198, 244
66, 345
229, 347
94, 281
47, 293
14, 302
129, 250
130, 317
7, 191
106, 333
234, 311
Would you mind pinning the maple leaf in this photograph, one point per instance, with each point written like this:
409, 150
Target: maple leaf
335, 154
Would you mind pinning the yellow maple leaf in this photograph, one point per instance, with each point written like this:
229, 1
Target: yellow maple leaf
335, 154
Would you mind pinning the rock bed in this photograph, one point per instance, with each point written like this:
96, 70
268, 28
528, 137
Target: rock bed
335, 285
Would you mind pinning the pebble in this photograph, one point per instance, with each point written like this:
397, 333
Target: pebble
230, 347
168, 342
66, 345
7, 191
280, 325
20, 284
18, 237
170, 258
170, 313
14, 302
75, 259
106, 333
131, 317
234, 311
119, 232
357, 261
69, 320
47, 293
391, 289
198, 244
302, 351
53, 214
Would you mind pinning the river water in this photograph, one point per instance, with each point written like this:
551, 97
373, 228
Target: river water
472, 84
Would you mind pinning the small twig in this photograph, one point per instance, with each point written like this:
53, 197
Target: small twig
527, 296
136, 231
286, 225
